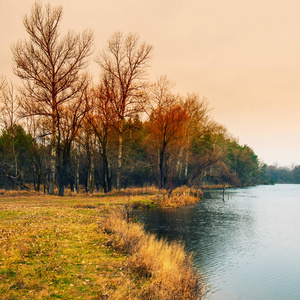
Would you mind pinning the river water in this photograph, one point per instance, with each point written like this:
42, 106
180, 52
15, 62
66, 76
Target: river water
247, 246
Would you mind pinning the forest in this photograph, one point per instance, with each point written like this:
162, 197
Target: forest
64, 128
278, 174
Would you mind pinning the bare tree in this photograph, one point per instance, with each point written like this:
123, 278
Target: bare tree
70, 120
9, 106
2, 84
124, 64
50, 67
160, 94
9, 116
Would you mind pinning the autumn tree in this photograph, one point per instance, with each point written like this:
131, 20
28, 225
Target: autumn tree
166, 131
71, 117
101, 118
198, 124
50, 67
165, 128
124, 64
207, 148
88, 144
136, 163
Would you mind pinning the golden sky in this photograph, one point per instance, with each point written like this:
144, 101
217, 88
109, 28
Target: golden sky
243, 56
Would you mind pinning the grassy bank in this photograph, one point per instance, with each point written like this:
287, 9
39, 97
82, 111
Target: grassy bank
60, 248
169, 267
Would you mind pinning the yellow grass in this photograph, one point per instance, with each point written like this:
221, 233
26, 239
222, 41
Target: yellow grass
53, 248
167, 264
177, 201
56, 248
179, 197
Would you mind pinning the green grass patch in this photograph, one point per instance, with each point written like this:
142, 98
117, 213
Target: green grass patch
57, 247
7, 214
53, 248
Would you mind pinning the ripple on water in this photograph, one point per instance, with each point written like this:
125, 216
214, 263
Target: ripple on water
247, 246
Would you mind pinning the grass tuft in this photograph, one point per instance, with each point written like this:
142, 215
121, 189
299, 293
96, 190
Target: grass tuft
175, 201
181, 196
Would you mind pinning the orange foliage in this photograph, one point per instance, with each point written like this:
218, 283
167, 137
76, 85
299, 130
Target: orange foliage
167, 125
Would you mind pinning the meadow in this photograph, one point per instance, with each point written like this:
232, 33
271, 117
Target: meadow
84, 247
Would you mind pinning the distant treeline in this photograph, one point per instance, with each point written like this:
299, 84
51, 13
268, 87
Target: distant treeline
277, 174
62, 129
209, 158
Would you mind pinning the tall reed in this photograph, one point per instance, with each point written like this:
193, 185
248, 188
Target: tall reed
167, 265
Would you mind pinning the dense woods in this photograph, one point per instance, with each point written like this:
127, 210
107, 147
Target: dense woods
66, 129
278, 174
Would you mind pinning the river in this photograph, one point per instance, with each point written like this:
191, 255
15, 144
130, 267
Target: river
247, 246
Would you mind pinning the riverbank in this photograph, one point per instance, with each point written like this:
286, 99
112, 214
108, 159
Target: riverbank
60, 247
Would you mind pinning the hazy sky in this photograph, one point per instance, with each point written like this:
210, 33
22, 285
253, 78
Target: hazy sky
243, 56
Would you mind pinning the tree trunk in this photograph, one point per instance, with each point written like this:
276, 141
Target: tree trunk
37, 180
186, 167
105, 173
61, 186
77, 175
161, 170
52, 171
120, 154
60, 174
53, 152
92, 172
38, 184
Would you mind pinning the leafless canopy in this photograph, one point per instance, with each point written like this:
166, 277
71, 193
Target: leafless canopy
49, 65
124, 65
9, 106
160, 94
54, 87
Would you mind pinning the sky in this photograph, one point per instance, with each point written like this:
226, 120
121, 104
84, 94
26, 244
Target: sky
242, 56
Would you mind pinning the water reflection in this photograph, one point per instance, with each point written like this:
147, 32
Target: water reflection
242, 243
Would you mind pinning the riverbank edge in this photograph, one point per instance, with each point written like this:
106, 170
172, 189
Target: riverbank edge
167, 267
139, 282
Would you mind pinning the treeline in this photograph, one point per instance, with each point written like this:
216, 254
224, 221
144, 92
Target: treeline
277, 174
61, 129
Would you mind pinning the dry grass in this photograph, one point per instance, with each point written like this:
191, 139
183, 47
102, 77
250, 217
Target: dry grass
148, 190
215, 186
179, 197
175, 201
16, 193
167, 265
53, 248
146, 197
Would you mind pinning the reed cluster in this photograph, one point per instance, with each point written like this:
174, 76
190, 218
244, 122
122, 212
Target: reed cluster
167, 267
181, 196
